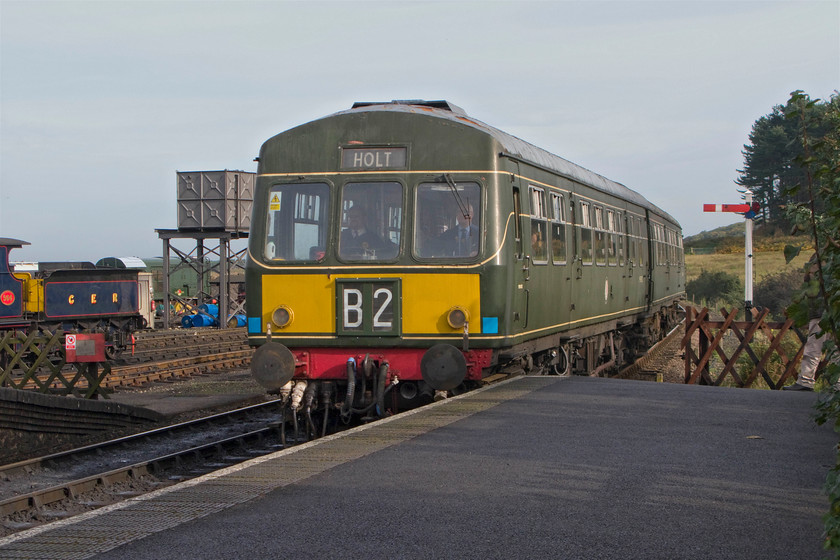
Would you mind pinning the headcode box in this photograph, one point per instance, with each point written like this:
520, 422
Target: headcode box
85, 347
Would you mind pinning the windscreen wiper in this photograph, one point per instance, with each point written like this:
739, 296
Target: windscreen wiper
462, 206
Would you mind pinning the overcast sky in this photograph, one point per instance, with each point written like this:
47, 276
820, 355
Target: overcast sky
102, 102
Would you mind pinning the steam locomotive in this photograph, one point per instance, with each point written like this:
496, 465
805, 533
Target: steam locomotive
70, 297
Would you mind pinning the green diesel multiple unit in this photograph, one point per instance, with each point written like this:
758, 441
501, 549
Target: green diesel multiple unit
403, 247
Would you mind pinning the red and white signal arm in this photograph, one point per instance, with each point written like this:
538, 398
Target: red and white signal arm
726, 207
749, 210
85, 347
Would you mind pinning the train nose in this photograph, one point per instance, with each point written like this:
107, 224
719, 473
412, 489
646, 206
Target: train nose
443, 367
272, 366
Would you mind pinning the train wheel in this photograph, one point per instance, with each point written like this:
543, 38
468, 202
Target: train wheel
112, 352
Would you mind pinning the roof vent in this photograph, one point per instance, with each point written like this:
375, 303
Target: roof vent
440, 104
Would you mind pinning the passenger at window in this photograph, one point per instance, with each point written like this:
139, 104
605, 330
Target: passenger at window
538, 244
462, 240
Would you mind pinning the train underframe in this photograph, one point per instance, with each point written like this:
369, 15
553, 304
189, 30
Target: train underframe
327, 387
598, 350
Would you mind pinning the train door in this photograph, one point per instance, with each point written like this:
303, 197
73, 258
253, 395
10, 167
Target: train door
561, 267
583, 267
519, 273
635, 266
540, 288
649, 246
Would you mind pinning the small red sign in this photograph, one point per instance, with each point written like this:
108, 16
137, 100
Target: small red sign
84, 347
7, 297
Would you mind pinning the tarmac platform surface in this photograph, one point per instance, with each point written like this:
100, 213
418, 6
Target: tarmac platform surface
535, 467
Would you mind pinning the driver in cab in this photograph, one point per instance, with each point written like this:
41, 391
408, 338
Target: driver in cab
356, 240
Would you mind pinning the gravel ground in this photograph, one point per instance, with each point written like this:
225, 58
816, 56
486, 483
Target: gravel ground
19, 446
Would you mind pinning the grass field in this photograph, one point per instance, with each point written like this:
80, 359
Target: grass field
764, 263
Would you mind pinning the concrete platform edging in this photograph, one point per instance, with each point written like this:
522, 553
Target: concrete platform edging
98, 531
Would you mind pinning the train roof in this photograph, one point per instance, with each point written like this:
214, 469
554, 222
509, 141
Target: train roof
14, 243
513, 147
122, 262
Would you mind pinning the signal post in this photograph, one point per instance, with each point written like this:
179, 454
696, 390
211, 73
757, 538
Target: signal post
749, 210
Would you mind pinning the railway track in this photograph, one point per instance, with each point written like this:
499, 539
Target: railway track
652, 366
172, 355
182, 343
46, 488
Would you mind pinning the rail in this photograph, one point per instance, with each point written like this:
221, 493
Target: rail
113, 454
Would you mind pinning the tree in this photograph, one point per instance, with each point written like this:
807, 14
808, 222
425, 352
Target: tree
819, 214
770, 168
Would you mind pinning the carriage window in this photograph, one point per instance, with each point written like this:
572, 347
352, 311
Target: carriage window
447, 221
621, 234
673, 258
371, 221
585, 234
612, 239
297, 222
539, 226
537, 203
663, 246
680, 250
600, 237
656, 256
644, 246
558, 229
657, 242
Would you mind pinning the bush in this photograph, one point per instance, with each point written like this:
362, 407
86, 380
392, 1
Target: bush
714, 288
775, 291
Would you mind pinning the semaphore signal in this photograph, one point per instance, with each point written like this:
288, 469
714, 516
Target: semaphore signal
749, 210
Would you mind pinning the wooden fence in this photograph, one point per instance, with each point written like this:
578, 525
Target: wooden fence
36, 360
762, 349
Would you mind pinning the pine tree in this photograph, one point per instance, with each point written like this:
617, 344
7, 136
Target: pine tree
770, 169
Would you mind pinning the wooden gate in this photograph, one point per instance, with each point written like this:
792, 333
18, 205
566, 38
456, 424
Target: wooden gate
740, 353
